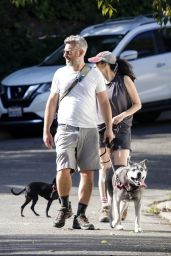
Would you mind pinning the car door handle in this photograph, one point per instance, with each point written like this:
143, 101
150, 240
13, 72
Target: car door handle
160, 64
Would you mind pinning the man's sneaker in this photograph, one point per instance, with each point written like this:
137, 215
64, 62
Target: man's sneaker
63, 214
81, 222
105, 214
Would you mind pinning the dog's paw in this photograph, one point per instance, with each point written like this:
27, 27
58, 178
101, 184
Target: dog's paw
138, 230
119, 227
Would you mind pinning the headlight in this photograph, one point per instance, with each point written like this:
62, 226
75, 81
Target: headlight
44, 87
31, 89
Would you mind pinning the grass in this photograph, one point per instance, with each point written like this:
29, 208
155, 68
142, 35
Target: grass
153, 209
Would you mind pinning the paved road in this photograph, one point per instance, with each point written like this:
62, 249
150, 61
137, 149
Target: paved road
25, 159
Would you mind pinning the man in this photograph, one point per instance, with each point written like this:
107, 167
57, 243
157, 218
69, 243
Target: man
77, 137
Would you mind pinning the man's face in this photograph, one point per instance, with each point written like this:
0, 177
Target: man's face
71, 54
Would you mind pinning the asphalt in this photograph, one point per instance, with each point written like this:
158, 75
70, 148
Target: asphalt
154, 201
34, 235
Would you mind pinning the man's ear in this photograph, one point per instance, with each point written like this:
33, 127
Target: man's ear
80, 52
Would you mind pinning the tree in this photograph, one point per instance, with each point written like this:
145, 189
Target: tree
161, 9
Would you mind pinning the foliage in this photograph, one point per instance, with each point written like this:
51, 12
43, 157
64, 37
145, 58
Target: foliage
106, 6
161, 9
19, 47
29, 32
53, 10
22, 3
123, 9
24, 22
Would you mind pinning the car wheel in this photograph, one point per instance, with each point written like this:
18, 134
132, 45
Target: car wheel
147, 117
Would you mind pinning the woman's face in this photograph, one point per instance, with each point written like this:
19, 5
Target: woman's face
101, 66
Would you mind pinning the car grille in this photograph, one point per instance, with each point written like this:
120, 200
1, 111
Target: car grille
17, 95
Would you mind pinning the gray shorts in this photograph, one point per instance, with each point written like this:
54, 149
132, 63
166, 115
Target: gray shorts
77, 148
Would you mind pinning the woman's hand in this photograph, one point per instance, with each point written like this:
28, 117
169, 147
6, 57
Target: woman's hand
119, 118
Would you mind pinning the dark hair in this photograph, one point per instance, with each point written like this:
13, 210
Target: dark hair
124, 68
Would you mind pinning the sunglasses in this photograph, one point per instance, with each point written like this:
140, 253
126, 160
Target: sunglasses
70, 51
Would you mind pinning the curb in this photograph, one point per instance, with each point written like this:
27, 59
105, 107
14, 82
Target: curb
166, 216
165, 210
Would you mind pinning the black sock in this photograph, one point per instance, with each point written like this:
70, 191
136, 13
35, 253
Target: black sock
118, 166
64, 200
81, 209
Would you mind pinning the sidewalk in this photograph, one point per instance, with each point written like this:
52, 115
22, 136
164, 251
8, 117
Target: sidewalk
11, 223
35, 235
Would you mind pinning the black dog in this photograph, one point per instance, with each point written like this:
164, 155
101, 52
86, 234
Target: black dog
35, 189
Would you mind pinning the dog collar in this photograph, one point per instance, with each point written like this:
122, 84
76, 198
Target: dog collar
128, 187
117, 183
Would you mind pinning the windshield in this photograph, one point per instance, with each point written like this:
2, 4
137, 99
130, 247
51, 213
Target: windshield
96, 44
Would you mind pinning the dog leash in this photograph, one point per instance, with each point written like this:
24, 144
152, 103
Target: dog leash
103, 155
83, 72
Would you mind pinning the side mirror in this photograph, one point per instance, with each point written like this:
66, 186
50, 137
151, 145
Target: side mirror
129, 55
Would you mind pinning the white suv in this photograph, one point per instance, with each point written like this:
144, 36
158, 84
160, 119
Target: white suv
139, 40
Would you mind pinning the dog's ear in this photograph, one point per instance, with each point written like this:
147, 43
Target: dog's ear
130, 163
144, 163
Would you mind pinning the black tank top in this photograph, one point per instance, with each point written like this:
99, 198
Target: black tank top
119, 98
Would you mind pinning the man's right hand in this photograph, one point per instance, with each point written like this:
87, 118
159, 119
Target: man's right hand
48, 140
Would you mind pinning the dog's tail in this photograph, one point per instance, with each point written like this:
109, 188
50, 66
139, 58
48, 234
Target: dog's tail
17, 193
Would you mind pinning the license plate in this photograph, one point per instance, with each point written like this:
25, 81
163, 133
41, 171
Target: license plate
15, 112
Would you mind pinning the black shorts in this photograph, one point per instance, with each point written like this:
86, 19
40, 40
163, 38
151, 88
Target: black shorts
122, 138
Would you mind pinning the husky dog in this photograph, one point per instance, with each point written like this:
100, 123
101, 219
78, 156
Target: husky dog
126, 185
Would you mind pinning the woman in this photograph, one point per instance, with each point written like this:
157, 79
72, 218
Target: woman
125, 101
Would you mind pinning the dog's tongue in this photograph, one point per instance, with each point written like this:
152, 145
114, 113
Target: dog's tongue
142, 183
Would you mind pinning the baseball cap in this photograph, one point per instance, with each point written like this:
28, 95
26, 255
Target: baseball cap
105, 56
